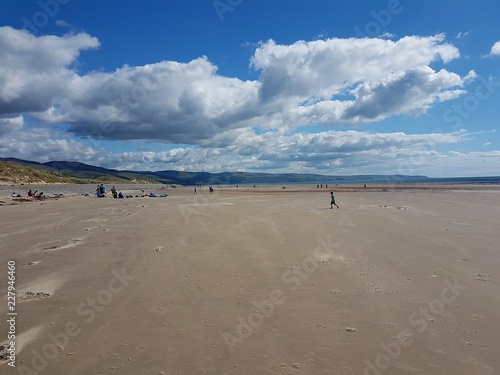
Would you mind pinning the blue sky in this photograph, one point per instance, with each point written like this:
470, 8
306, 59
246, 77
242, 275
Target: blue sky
330, 87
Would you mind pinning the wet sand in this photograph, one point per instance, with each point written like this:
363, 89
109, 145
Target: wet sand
257, 281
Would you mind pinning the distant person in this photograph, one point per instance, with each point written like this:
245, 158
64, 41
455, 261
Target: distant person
195, 192
30, 193
120, 195
211, 190
317, 186
332, 200
113, 191
99, 191
364, 186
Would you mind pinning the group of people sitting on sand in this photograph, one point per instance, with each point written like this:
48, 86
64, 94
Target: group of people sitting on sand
101, 192
31, 194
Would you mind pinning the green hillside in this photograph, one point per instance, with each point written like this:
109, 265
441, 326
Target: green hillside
19, 173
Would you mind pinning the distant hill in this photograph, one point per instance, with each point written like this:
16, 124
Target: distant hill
27, 172
73, 172
90, 173
17, 173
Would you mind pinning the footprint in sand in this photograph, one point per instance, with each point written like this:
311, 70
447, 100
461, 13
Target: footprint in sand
22, 340
4, 354
475, 317
40, 288
481, 276
60, 245
400, 208
32, 295
98, 229
31, 264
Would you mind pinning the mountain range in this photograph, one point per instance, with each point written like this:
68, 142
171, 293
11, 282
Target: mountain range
89, 173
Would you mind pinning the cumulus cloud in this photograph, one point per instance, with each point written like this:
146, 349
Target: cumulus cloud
35, 70
379, 77
328, 152
41, 144
332, 82
495, 50
10, 125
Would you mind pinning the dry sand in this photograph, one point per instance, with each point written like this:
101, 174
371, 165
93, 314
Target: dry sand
256, 281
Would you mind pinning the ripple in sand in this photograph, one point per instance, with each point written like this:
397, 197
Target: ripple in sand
95, 220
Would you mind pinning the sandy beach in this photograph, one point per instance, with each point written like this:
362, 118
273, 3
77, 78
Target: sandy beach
256, 281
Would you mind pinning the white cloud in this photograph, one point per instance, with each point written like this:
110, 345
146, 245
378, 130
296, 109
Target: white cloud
332, 81
461, 35
10, 125
34, 70
62, 23
382, 77
495, 50
40, 144
329, 152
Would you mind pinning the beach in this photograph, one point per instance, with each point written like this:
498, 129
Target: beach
265, 280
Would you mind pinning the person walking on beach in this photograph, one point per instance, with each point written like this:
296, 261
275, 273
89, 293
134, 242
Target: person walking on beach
332, 200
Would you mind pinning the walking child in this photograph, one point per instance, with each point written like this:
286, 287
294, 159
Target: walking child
332, 200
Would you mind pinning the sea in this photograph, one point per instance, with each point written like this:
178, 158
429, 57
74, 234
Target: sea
489, 180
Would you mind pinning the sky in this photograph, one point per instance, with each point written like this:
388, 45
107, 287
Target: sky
333, 87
